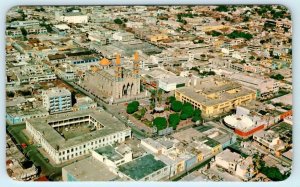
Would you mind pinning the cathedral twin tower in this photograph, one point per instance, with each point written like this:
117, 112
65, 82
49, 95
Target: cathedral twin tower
114, 81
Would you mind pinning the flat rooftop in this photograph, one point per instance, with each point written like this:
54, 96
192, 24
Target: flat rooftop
229, 156
110, 152
141, 167
15, 111
205, 87
90, 170
56, 92
110, 123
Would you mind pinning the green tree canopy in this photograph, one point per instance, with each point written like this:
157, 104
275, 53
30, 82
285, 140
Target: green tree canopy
160, 123
132, 107
273, 173
277, 77
174, 120
118, 21
197, 115
176, 106
188, 110
171, 99
183, 116
197, 112
238, 34
222, 8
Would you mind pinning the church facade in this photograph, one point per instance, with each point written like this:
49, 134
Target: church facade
113, 81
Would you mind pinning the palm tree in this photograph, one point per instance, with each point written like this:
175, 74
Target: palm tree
159, 96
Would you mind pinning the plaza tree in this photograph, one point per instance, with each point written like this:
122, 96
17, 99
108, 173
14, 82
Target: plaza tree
174, 120
197, 115
132, 107
176, 106
160, 123
187, 110
171, 99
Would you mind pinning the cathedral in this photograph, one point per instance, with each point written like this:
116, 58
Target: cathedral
114, 81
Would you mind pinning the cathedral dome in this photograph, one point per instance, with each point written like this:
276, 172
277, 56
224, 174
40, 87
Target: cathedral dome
104, 62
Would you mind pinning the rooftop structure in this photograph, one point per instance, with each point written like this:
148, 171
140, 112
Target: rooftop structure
214, 95
270, 140
264, 86
69, 135
144, 168
88, 169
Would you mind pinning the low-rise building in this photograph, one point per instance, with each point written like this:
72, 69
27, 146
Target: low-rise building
123, 36
84, 103
113, 156
270, 140
145, 168
89, 169
71, 17
235, 164
215, 95
71, 135
264, 86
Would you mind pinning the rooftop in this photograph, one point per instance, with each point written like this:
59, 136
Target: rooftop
110, 125
90, 170
55, 92
224, 91
141, 167
229, 156
110, 152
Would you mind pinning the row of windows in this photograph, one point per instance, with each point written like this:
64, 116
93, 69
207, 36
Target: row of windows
156, 173
82, 152
85, 61
95, 143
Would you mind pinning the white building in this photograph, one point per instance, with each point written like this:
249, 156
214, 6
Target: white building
113, 156
123, 36
24, 23
228, 160
70, 135
71, 17
270, 140
173, 82
264, 86
235, 164
57, 100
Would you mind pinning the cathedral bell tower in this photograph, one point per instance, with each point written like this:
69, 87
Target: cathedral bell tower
118, 68
136, 65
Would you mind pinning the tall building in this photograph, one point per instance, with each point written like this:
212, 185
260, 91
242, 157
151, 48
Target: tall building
57, 100
114, 80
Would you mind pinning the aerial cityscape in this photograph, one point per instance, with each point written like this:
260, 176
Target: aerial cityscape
149, 93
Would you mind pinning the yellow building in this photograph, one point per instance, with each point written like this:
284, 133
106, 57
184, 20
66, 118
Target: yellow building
200, 157
215, 95
157, 37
